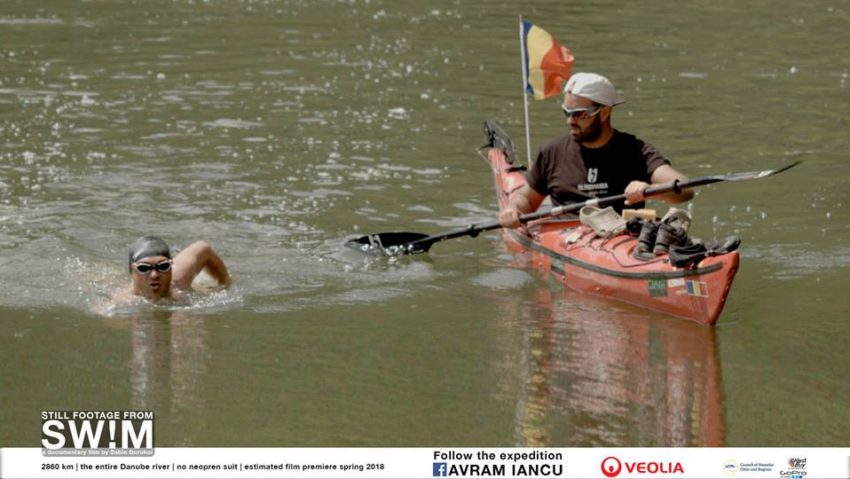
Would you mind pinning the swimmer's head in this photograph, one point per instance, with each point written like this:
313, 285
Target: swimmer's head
150, 268
147, 246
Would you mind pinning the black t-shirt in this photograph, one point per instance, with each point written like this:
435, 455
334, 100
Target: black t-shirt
571, 173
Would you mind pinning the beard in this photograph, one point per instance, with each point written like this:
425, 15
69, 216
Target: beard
589, 133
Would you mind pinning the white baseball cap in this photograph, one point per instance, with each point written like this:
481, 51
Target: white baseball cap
593, 87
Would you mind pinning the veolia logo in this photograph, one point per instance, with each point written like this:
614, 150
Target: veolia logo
611, 467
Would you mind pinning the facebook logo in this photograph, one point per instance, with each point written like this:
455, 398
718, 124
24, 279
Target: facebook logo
440, 469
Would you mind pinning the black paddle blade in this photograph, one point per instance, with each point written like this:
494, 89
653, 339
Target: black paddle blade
747, 175
759, 174
393, 244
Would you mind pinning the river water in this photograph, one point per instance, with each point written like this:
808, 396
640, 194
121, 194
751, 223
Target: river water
277, 130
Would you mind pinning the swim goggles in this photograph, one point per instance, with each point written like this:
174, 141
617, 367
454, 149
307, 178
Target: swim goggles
161, 267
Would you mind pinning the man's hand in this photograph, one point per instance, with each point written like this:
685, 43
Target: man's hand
634, 192
523, 200
509, 217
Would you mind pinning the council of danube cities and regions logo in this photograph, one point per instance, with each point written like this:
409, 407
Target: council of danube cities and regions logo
97, 433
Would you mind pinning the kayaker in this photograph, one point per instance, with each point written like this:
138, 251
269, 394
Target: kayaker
155, 275
594, 159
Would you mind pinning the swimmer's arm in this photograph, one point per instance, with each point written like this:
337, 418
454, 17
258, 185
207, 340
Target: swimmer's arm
194, 259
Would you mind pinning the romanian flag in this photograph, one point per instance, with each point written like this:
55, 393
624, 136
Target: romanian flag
547, 63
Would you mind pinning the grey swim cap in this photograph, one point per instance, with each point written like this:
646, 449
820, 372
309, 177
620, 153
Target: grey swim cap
148, 246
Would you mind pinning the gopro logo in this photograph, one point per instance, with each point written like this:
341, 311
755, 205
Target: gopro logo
440, 469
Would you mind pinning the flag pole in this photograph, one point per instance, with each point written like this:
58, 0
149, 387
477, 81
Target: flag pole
525, 90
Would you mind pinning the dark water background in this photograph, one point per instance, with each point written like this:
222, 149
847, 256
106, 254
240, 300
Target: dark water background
276, 130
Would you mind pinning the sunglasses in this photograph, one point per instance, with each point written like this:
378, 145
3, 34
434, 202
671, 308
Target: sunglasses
161, 267
581, 113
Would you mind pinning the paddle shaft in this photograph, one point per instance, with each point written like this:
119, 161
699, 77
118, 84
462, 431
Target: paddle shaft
677, 186
473, 230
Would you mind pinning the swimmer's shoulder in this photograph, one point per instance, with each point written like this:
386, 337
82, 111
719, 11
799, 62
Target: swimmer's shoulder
123, 295
120, 297
179, 294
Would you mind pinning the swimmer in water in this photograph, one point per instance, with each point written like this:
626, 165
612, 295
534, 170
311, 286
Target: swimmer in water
156, 275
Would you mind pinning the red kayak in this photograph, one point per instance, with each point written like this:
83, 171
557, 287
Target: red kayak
606, 267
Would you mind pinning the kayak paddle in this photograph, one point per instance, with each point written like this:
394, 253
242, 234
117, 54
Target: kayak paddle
398, 243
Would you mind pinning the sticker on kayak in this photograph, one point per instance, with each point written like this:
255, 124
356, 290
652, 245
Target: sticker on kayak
657, 287
688, 287
697, 288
